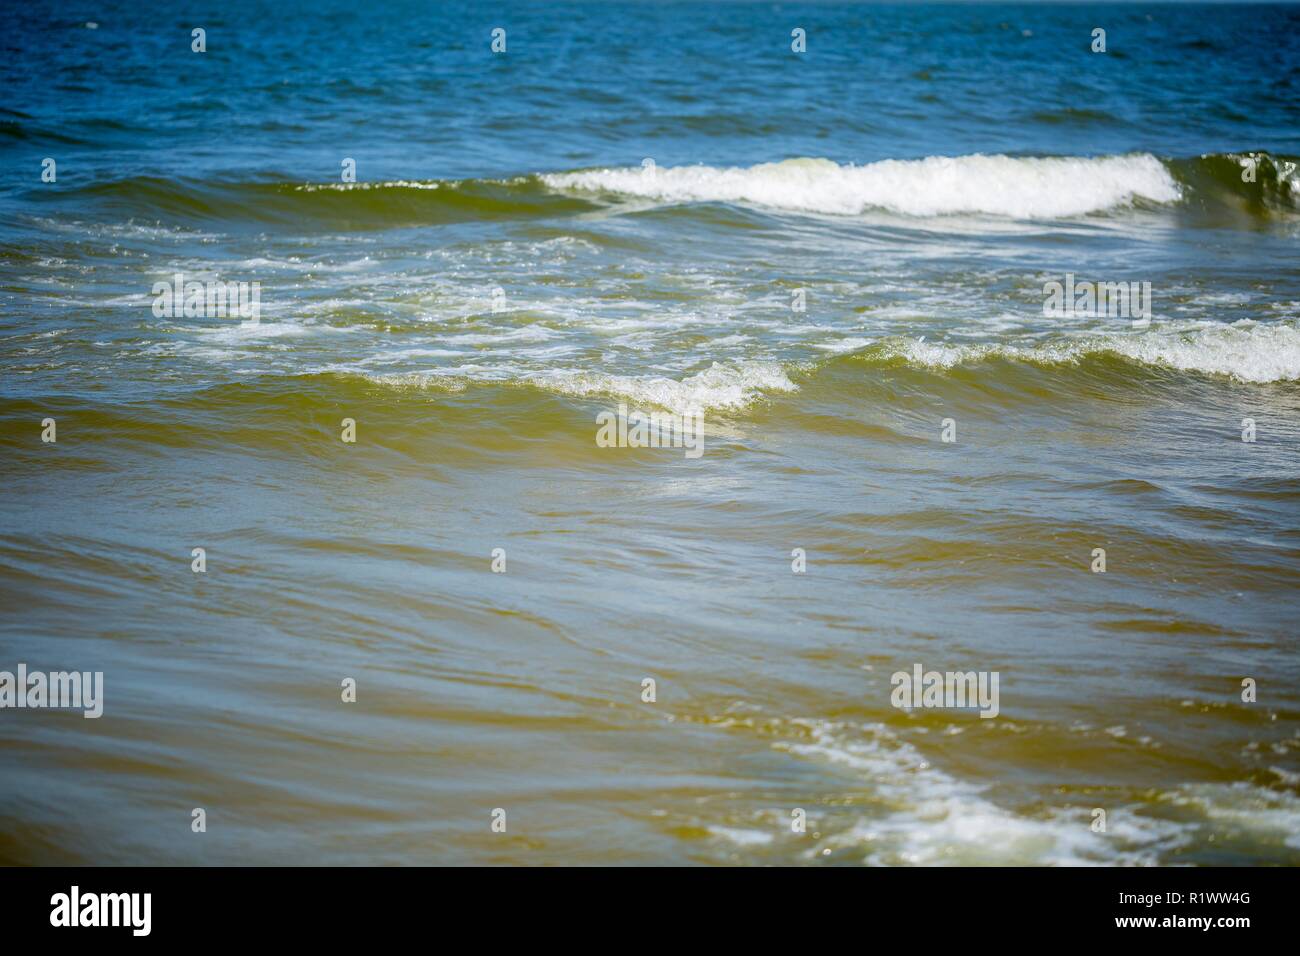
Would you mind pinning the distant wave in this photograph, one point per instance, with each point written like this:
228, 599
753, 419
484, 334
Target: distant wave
1005, 186
1021, 188
362, 205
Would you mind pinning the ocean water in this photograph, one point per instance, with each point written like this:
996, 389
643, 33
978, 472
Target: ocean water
835, 257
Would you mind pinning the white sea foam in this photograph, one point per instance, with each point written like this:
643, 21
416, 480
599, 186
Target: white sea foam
929, 817
1245, 350
390, 184
729, 386
295, 264
1263, 815
501, 337
1022, 188
741, 837
721, 386
234, 333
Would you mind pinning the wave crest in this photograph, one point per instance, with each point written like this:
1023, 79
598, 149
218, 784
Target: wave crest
1244, 351
731, 386
1022, 188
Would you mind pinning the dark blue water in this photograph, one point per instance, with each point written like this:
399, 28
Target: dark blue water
412, 91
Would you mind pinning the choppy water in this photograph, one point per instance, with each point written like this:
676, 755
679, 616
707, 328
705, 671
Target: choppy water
920, 174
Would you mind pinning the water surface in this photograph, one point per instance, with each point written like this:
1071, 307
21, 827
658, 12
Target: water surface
506, 268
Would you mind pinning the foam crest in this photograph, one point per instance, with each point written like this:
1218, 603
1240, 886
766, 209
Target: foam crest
730, 386
1021, 188
932, 818
1245, 351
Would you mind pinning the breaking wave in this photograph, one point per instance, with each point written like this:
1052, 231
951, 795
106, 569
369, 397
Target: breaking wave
1244, 351
987, 185
1021, 188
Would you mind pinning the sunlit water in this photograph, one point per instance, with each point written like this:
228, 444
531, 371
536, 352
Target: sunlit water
506, 268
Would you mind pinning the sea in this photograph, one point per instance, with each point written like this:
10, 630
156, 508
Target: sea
982, 322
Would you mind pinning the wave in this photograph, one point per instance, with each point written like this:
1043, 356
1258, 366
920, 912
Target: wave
361, 205
1215, 180
1243, 351
729, 387
922, 815
19, 127
510, 399
1021, 188
720, 387
986, 185
928, 817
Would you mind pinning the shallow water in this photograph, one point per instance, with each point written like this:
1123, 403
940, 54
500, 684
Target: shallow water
505, 269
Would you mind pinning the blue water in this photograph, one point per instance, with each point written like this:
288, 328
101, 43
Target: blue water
411, 90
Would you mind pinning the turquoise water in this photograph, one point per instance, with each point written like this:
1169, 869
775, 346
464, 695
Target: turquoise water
830, 255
